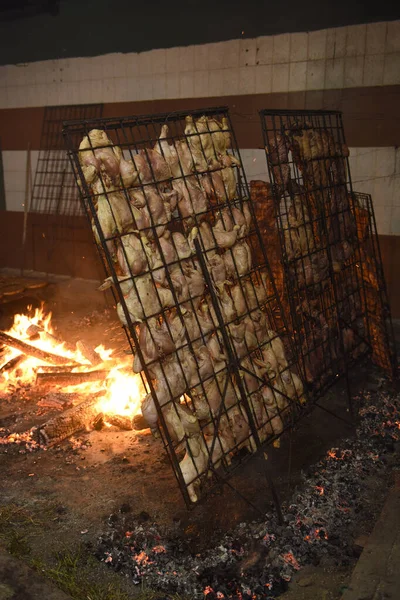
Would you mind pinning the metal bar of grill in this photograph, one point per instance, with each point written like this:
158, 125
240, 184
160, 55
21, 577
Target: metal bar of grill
54, 190
377, 299
170, 210
307, 160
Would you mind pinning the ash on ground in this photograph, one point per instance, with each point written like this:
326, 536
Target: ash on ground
258, 559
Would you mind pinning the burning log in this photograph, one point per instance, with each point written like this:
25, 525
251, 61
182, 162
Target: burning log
65, 378
55, 368
34, 330
120, 421
74, 419
12, 364
89, 353
29, 350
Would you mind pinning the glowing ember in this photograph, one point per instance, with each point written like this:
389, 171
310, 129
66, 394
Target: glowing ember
123, 390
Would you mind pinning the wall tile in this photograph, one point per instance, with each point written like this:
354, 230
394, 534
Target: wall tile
172, 56
336, 42
3, 76
376, 37
383, 215
264, 78
353, 71
121, 90
373, 69
395, 221
264, 49
247, 52
298, 47
366, 163
280, 78
393, 36
108, 90
231, 81
14, 160
96, 68
201, 57
159, 86
391, 74
247, 80
145, 87
119, 65
15, 201
385, 161
107, 65
132, 85
201, 84
186, 85
297, 76
216, 56
3, 97
355, 44
396, 191
317, 44
186, 58
334, 73
215, 82
172, 85
315, 74
281, 48
397, 152
132, 65
158, 61
230, 56
145, 63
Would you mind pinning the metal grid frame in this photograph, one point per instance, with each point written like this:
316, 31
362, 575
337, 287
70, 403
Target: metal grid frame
307, 159
378, 307
54, 188
218, 376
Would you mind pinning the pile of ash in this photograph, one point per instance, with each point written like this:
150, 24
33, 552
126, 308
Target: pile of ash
258, 559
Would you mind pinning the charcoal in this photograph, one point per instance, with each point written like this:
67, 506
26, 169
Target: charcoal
258, 559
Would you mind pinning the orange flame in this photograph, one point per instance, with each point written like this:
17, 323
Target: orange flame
122, 389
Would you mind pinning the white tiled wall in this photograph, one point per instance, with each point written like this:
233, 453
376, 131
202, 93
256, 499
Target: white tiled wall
359, 55
374, 170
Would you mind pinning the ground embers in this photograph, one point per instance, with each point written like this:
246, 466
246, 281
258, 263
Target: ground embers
257, 559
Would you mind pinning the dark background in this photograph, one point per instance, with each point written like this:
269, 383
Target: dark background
33, 30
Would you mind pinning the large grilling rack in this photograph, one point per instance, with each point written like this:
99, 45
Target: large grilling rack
54, 188
307, 160
377, 299
170, 210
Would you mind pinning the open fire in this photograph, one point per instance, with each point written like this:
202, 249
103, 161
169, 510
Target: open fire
48, 364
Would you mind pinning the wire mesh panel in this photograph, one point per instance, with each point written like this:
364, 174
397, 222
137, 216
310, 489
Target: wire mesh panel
377, 300
54, 188
308, 165
170, 210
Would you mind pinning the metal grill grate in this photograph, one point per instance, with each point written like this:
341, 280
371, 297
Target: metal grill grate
308, 164
54, 189
378, 308
170, 210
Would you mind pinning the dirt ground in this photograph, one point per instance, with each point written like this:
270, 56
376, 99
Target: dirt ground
71, 492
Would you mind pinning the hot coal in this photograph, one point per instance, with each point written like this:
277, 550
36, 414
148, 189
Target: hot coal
257, 560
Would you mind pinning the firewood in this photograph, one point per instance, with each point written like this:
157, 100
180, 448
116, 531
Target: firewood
89, 353
64, 378
74, 419
34, 330
120, 421
48, 357
12, 364
55, 368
